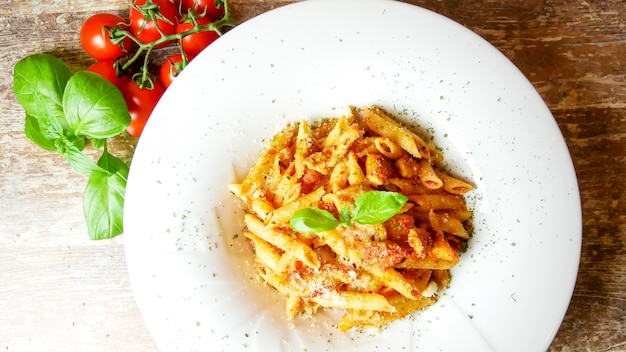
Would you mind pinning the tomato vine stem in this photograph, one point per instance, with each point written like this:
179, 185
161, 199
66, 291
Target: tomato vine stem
151, 12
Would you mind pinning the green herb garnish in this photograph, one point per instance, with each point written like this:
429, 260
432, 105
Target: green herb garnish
370, 208
63, 112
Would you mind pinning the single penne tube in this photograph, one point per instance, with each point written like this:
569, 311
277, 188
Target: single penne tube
267, 254
438, 201
335, 241
395, 280
340, 149
427, 262
415, 241
285, 263
406, 306
441, 277
388, 148
461, 214
366, 282
255, 178
338, 177
288, 188
454, 185
235, 188
407, 166
293, 305
274, 174
304, 146
407, 186
281, 216
427, 175
441, 249
376, 169
363, 319
447, 224
354, 300
380, 123
260, 206
276, 281
333, 136
355, 173
419, 277
283, 241
259, 171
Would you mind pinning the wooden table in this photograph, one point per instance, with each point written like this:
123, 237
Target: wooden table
61, 292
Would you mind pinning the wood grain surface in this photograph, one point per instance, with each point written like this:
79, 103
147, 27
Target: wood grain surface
61, 292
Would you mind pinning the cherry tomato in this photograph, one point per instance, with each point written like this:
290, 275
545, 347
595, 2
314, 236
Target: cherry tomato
95, 39
193, 44
170, 68
140, 102
107, 70
214, 8
145, 30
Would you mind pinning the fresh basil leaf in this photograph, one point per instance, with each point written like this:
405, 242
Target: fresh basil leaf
94, 107
311, 220
34, 133
112, 164
103, 201
39, 82
375, 207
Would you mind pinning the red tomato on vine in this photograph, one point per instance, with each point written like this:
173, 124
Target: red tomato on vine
145, 28
213, 9
140, 103
96, 41
170, 68
193, 44
107, 70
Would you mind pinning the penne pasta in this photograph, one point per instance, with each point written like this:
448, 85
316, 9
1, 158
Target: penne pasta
448, 224
354, 300
282, 215
338, 177
304, 147
355, 173
267, 254
283, 241
427, 175
375, 272
438, 201
454, 185
388, 148
385, 126
395, 280
363, 319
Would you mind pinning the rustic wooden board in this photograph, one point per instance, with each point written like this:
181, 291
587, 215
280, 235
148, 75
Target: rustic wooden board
62, 292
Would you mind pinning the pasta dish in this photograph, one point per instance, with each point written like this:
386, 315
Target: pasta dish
354, 213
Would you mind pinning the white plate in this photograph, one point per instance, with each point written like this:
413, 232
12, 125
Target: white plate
193, 283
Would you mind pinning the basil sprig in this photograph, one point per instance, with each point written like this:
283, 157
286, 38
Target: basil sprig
370, 208
64, 111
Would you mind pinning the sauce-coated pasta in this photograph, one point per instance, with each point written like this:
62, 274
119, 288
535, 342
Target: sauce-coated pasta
375, 273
